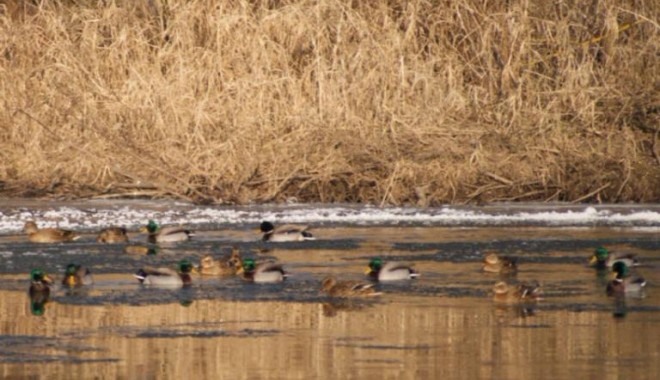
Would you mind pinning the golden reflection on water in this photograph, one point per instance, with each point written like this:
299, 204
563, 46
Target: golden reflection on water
415, 331
415, 337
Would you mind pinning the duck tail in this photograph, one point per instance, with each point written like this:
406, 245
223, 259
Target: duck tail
641, 282
414, 274
141, 275
307, 235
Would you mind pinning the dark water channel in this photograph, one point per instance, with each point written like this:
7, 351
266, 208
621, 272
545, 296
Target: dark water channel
444, 324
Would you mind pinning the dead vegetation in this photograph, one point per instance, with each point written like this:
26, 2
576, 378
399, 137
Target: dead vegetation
414, 102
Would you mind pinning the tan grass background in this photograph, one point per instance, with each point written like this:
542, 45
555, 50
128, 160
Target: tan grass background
399, 102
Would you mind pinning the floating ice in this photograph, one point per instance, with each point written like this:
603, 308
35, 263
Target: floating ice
91, 215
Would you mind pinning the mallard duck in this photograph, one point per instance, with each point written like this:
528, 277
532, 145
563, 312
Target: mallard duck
166, 276
39, 292
76, 275
335, 288
265, 272
40, 283
602, 258
112, 235
496, 264
623, 284
516, 294
158, 234
287, 232
226, 266
48, 235
390, 271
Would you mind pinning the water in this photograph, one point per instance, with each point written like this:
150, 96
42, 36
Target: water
442, 325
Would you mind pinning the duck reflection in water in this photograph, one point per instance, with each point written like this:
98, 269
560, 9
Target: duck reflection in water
620, 309
39, 291
141, 250
333, 307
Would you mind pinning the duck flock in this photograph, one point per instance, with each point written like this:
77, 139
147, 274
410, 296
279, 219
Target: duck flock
623, 284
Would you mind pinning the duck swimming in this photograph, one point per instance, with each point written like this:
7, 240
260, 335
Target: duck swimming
335, 288
167, 277
390, 271
48, 235
287, 232
158, 234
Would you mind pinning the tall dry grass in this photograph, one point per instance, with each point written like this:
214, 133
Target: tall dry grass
419, 102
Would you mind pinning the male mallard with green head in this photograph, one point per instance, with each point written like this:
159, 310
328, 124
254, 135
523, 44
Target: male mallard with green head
287, 232
40, 283
167, 277
602, 258
265, 272
48, 235
112, 235
335, 288
497, 264
623, 284
158, 234
39, 291
516, 294
390, 271
76, 275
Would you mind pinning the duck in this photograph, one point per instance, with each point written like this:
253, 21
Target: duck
522, 293
497, 264
158, 234
262, 273
390, 271
48, 235
40, 283
112, 235
335, 288
287, 232
39, 291
208, 266
167, 277
603, 258
76, 275
623, 284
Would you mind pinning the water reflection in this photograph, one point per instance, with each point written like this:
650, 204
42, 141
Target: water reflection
331, 308
444, 324
620, 309
38, 302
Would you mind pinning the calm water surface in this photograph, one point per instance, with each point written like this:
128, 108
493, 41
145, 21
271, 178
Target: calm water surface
442, 325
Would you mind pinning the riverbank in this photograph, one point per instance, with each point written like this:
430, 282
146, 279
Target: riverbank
383, 104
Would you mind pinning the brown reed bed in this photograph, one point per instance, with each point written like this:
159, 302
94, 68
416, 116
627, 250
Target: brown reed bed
417, 102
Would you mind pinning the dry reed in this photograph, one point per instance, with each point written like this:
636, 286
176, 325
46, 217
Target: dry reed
418, 102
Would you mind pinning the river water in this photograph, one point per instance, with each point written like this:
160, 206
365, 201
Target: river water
441, 325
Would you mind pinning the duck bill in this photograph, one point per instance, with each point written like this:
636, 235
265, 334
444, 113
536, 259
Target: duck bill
144, 230
47, 279
593, 260
194, 270
367, 270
